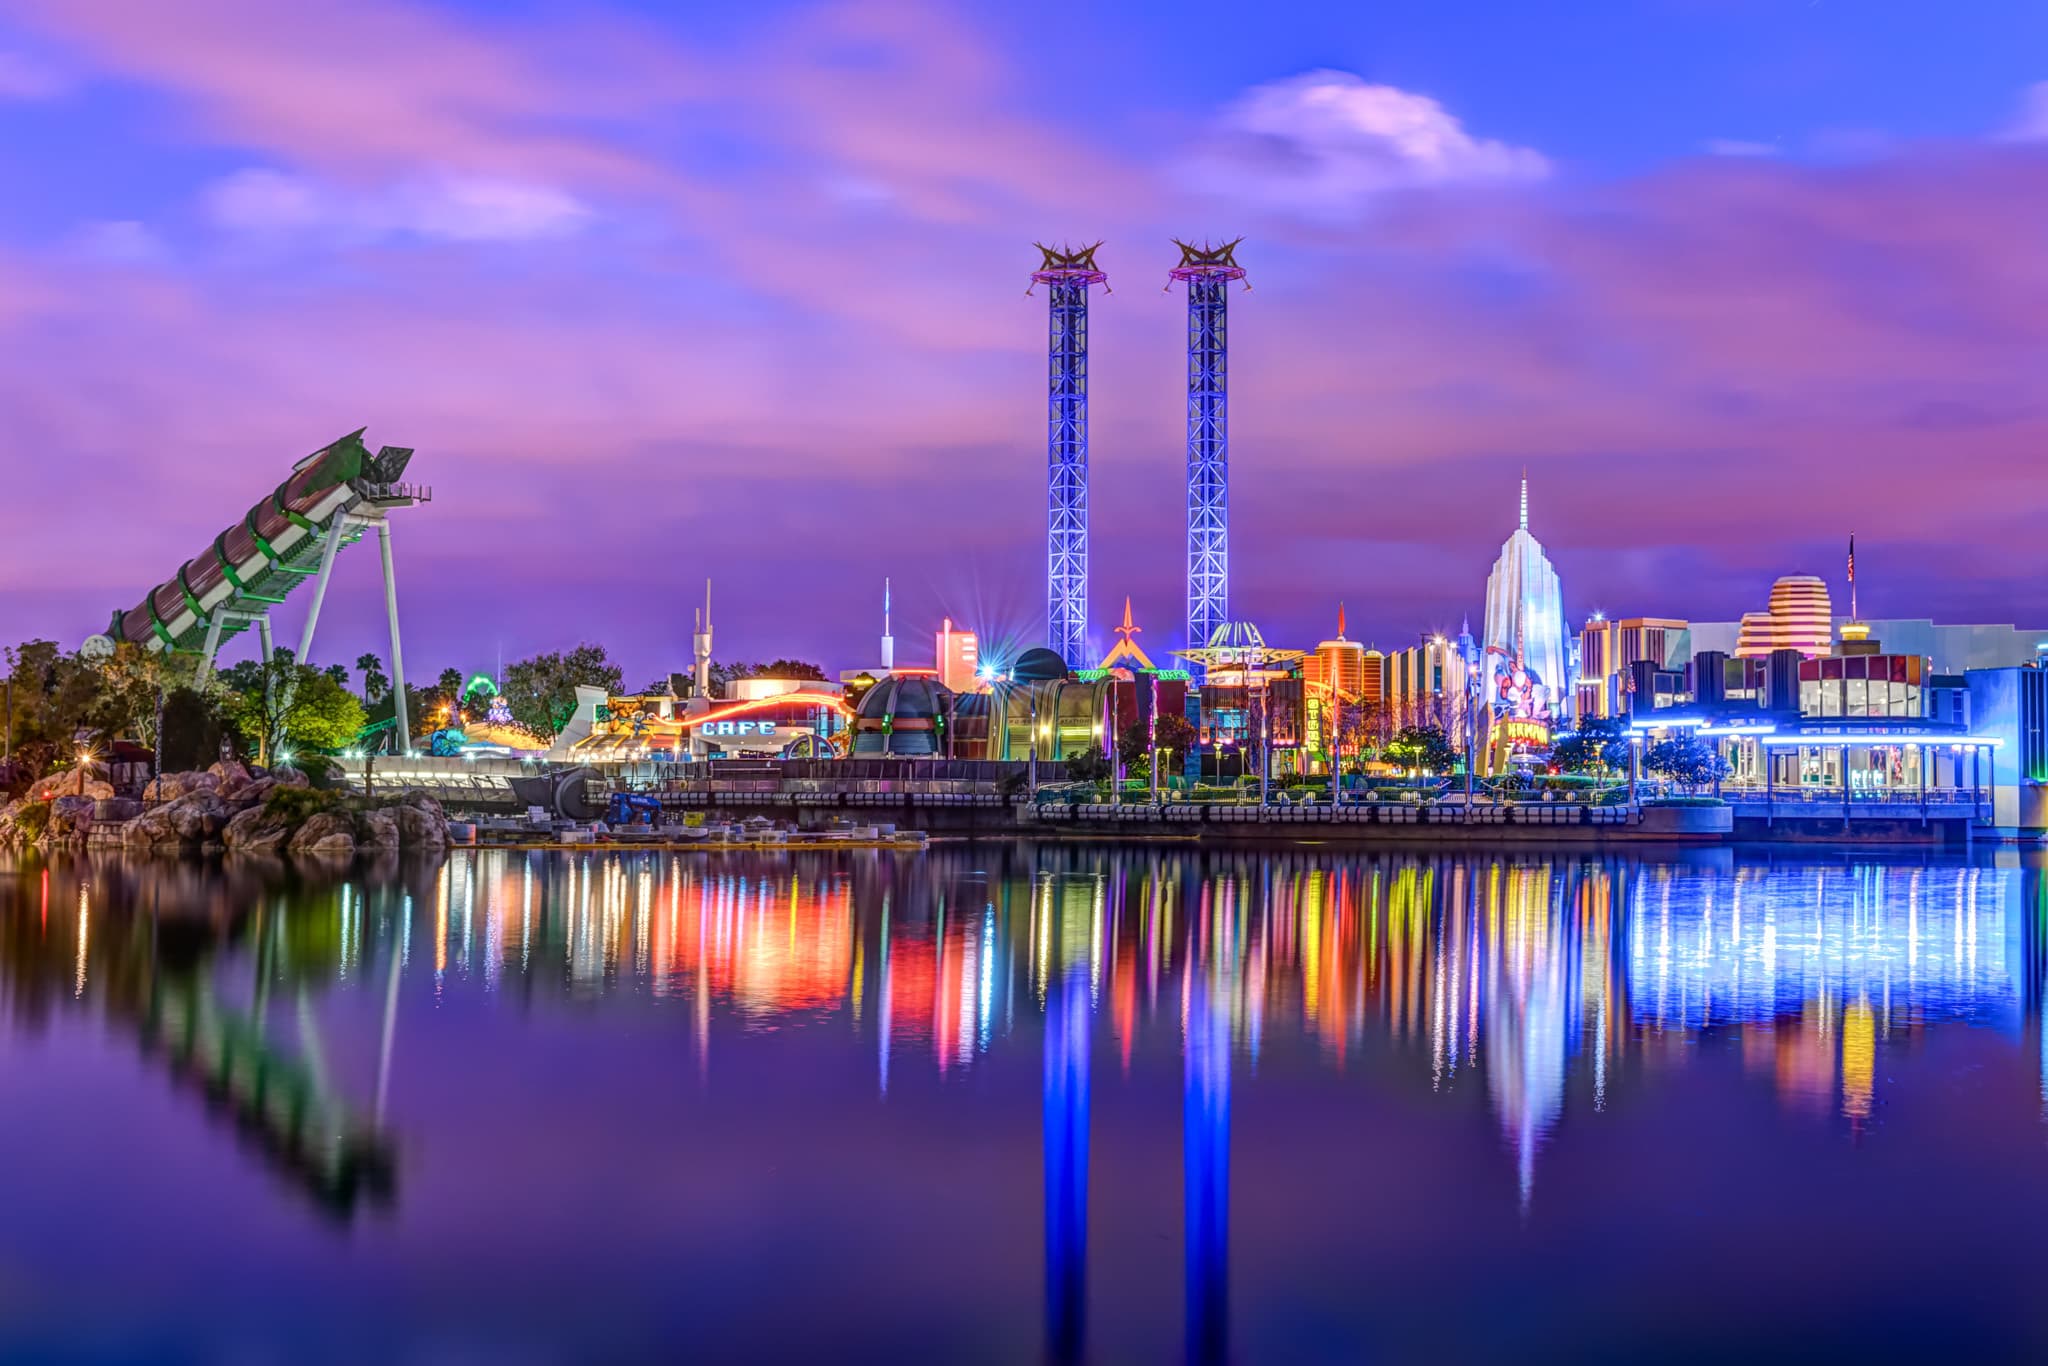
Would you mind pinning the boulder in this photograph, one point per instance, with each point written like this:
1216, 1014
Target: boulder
377, 830
245, 795
66, 785
289, 777
420, 801
171, 786
327, 832
153, 829
420, 828
70, 818
228, 773
112, 810
198, 815
255, 831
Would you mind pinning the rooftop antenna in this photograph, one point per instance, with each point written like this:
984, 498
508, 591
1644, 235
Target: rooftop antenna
1525, 498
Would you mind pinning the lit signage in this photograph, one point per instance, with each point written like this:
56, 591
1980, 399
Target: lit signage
737, 728
1516, 730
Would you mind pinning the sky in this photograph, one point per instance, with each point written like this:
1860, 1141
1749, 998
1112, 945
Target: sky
663, 292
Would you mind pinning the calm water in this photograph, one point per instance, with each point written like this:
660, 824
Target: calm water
1001, 1104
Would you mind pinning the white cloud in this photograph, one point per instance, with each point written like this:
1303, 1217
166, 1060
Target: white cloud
1325, 142
23, 79
2031, 125
1739, 147
455, 209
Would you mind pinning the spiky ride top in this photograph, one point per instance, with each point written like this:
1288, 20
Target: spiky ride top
1207, 262
1065, 265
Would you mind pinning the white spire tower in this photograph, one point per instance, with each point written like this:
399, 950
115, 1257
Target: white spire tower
1525, 611
888, 641
703, 643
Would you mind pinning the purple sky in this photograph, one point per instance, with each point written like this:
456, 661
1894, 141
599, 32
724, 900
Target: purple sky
661, 293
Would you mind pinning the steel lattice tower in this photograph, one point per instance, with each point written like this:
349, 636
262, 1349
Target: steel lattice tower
1068, 273
1207, 271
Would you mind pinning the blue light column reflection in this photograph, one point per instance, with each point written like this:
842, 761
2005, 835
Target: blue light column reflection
1205, 1170
1066, 1166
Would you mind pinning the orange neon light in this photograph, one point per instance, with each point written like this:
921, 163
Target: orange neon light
756, 704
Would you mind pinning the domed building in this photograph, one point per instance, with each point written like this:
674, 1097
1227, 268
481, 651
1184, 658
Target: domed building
1800, 617
904, 716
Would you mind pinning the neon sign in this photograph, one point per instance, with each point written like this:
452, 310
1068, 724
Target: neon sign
737, 728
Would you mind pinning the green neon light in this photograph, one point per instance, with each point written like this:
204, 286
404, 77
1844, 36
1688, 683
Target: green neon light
156, 622
191, 598
227, 564
262, 544
277, 501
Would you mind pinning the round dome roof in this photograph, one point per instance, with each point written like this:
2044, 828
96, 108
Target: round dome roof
901, 715
1038, 665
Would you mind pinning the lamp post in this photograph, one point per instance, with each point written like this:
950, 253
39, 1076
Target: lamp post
1265, 752
1031, 780
1635, 762
1471, 726
1152, 740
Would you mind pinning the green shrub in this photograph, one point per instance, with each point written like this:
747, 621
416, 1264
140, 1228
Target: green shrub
296, 805
32, 820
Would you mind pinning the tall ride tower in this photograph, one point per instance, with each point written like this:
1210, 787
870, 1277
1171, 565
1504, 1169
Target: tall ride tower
1068, 272
1207, 271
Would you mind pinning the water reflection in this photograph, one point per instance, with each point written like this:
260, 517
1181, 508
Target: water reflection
1546, 985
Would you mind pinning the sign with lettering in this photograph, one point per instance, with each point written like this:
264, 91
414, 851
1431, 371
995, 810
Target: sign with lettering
736, 728
1516, 730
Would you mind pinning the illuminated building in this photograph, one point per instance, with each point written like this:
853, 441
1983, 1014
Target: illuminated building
903, 716
1524, 623
1150, 688
1338, 664
1250, 687
782, 718
1048, 711
1609, 649
1798, 618
959, 656
1372, 679
1426, 684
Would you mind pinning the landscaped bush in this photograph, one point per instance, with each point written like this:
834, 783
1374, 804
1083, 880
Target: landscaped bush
32, 820
296, 805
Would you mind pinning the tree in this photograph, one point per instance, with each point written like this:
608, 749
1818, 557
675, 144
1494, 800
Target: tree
791, 668
1687, 761
193, 721
280, 704
1423, 748
376, 684
1088, 766
1599, 745
541, 691
1175, 733
337, 672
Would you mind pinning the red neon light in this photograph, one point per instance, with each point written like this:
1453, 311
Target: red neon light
782, 698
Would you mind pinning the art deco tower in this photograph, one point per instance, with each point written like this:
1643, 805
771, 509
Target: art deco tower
1525, 612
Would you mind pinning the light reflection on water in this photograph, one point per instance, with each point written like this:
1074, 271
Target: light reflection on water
1551, 987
